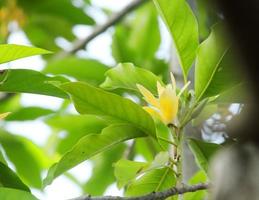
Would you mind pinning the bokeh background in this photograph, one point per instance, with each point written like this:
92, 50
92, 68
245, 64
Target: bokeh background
40, 127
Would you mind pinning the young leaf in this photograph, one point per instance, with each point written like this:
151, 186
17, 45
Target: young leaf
126, 170
9, 193
92, 100
87, 70
202, 152
126, 76
183, 27
152, 181
10, 52
91, 145
9, 179
30, 81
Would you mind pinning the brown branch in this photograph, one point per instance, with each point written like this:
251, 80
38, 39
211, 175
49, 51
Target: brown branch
154, 195
117, 17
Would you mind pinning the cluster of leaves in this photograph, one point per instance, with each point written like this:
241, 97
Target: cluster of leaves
107, 118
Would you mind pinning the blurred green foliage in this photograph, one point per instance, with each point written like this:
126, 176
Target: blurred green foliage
106, 97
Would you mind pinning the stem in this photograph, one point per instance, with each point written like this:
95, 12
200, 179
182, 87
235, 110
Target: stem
177, 157
187, 116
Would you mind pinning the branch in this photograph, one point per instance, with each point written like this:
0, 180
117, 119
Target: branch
117, 17
154, 195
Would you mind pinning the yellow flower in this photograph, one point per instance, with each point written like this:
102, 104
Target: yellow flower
164, 107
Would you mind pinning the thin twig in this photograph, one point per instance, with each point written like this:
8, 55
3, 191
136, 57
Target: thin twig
117, 17
154, 195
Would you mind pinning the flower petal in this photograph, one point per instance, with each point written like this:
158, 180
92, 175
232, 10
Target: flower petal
183, 88
168, 105
160, 88
173, 81
154, 113
149, 97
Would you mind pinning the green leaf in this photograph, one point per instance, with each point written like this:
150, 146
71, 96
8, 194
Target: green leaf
206, 112
131, 45
209, 56
126, 76
163, 135
216, 69
8, 193
74, 122
87, 70
145, 20
203, 151
126, 170
10, 52
29, 81
28, 113
92, 100
27, 158
204, 18
198, 177
152, 181
121, 51
147, 148
10, 180
11, 105
2, 158
41, 32
236, 94
91, 145
76, 127
63, 9
183, 27
102, 167
160, 160
226, 77
40, 17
